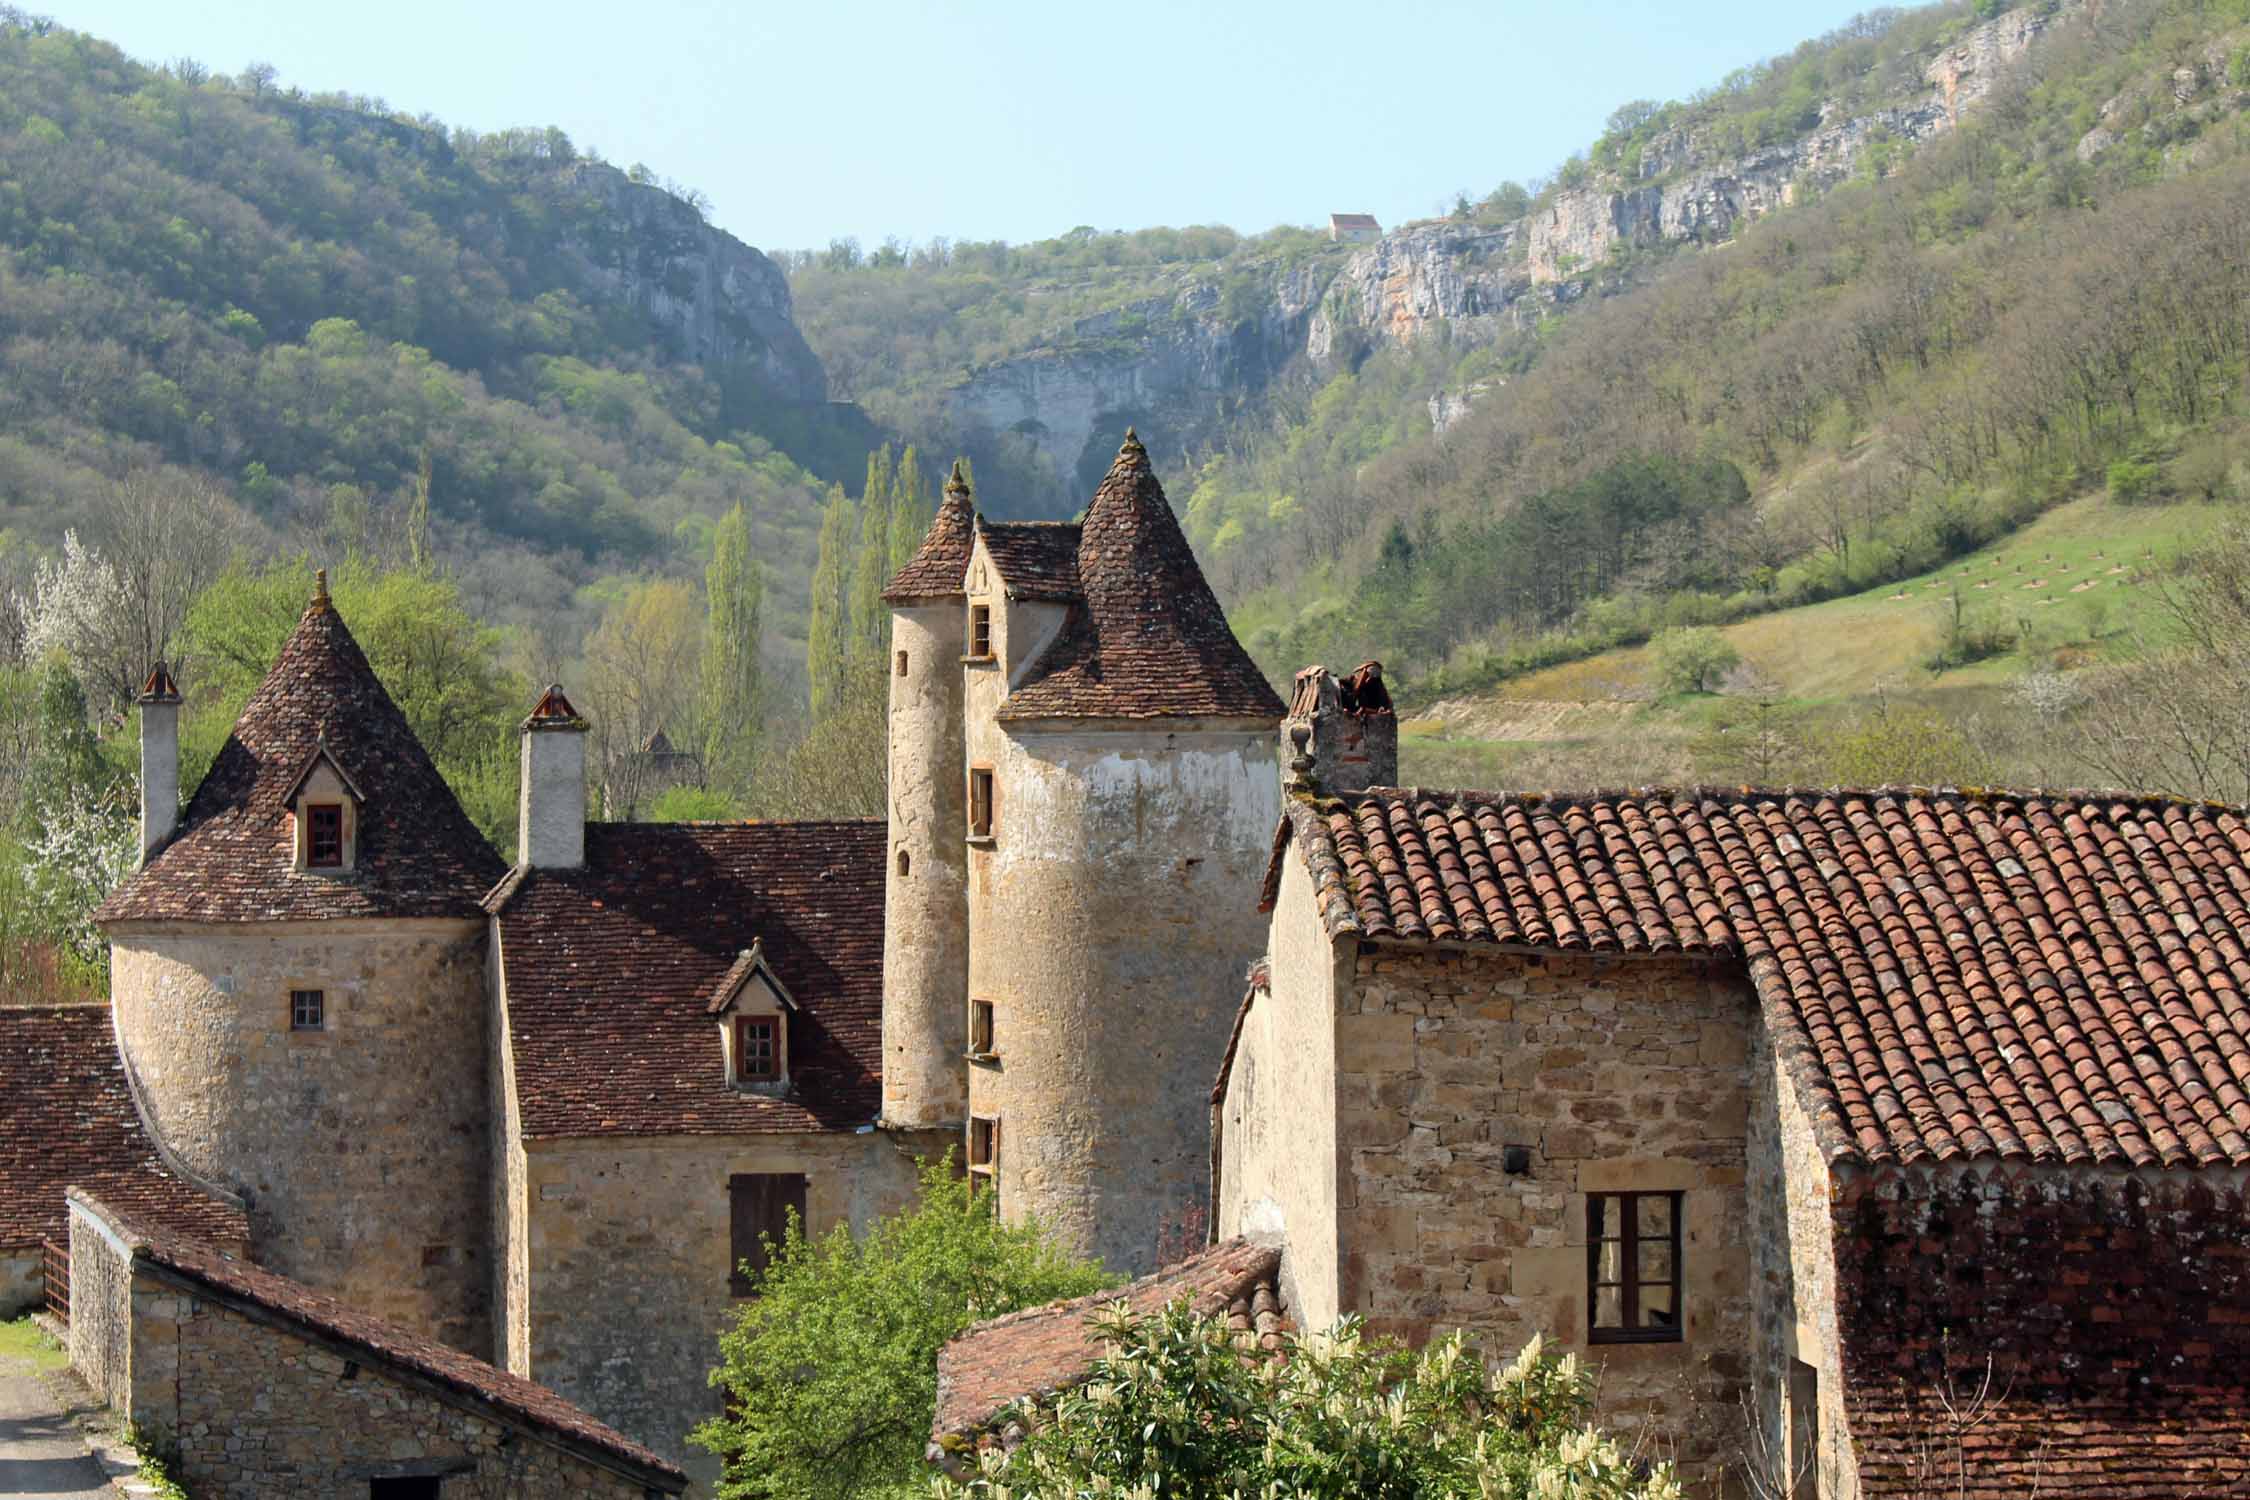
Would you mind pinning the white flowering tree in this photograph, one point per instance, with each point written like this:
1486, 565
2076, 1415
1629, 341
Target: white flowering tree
75, 608
1179, 1406
81, 850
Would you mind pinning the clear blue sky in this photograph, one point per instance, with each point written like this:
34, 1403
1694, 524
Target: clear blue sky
812, 119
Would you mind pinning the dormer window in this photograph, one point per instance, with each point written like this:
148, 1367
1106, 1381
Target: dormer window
753, 1010
324, 836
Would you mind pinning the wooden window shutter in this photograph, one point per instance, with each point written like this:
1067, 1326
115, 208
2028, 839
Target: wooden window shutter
758, 1205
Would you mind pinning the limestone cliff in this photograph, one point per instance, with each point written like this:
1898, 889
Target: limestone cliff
724, 303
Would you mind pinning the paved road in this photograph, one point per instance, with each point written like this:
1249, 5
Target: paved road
40, 1452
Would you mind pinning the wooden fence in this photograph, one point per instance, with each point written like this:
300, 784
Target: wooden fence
55, 1264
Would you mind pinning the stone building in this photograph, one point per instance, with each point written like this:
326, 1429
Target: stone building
257, 1386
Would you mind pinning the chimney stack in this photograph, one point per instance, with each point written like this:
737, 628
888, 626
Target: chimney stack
551, 818
1349, 730
160, 759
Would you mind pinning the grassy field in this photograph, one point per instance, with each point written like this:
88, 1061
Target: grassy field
23, 1343
2069, 591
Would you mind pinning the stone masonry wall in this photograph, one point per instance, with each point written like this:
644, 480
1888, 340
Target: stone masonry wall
101, 1310
261, 1411
628, 1251
1793, 1250
362, 1149
1618, 1075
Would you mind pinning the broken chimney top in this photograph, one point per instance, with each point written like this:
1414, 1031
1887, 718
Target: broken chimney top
1350, 730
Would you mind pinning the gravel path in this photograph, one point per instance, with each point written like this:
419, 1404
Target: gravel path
41, 1455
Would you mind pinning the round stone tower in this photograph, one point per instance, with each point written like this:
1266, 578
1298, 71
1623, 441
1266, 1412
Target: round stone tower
298, 980
925, 911
1122, 802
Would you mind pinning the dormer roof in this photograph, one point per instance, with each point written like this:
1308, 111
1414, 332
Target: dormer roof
935, 569
1035, 559
321, 756
233, 859
750, 967
1147, 639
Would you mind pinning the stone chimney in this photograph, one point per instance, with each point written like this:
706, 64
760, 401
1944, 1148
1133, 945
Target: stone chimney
1345, 728
551, 818
160, 759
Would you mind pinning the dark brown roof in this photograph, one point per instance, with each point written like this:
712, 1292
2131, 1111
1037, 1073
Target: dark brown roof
1149, 640
2191, 1445
2056, 978
1036, 559
611, 970
935, 569
232, 860
293, 1303
67, 1119
1046, 1349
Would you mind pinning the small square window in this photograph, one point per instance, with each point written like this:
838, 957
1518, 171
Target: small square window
1633, 1268
980, 630
980, 1028
308, 1010
980, 803
757, 1048
324, 835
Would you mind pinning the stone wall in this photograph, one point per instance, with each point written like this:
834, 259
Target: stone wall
1614, 1075
23, 1284
628, 1259
1112, 917
362, 1149
1793, 1251
101, 1309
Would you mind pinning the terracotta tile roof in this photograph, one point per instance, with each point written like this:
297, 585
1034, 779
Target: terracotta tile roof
2189, 1445
233, 860
935, 569
1036, 559
293, 1303
1149, 639
67, 1119
2048, 977
1046, 1349
611, 970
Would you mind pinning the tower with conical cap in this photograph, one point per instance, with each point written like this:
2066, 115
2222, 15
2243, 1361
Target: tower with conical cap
1110, 796
298, 980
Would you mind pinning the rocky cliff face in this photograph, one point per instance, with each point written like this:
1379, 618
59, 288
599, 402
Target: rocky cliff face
724, 303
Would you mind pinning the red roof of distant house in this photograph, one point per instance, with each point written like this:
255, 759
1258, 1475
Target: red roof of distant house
233, 859
1950, 975
316, 1313
1353, 221
610, 971
1148, 639
1046, 1349
67, 1120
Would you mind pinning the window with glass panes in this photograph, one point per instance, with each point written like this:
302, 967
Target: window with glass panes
1632, 1268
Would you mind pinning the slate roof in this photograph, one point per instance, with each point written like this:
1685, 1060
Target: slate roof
611, 969
232, 859
67, 1119
935, 569
1046, 1349
1148, 639
1950, 975
1036, 559
382, 1343
2186, 1445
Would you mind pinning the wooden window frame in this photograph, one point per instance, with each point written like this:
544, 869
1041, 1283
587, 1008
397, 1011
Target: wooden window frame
1630, 1282
318, 1010
983, 797
984, 1145
981, 1029
980, 632
315, 812
774, 1071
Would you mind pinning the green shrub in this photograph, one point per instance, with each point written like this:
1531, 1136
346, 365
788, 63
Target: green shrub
1692, 660
2132, 481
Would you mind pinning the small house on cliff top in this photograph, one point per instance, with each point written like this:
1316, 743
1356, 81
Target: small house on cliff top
1876, 1140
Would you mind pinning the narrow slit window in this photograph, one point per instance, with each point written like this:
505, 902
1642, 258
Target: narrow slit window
308, 1010
980, 630
902, 664
980, 1028
1633, 1268
980, 803
757, 1048
324, 835
905, 864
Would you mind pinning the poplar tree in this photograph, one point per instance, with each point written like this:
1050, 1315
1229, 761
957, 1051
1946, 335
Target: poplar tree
910, 508
871, 567
734, 590
826, 651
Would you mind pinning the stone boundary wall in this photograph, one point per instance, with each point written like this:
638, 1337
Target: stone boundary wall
101, 1308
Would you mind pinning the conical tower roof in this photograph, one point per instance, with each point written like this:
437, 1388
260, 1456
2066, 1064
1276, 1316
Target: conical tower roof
233, 859
935, 569
1149, 639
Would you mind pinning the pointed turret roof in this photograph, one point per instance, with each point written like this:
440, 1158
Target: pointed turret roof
233, 859
935, 569
1148, 639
